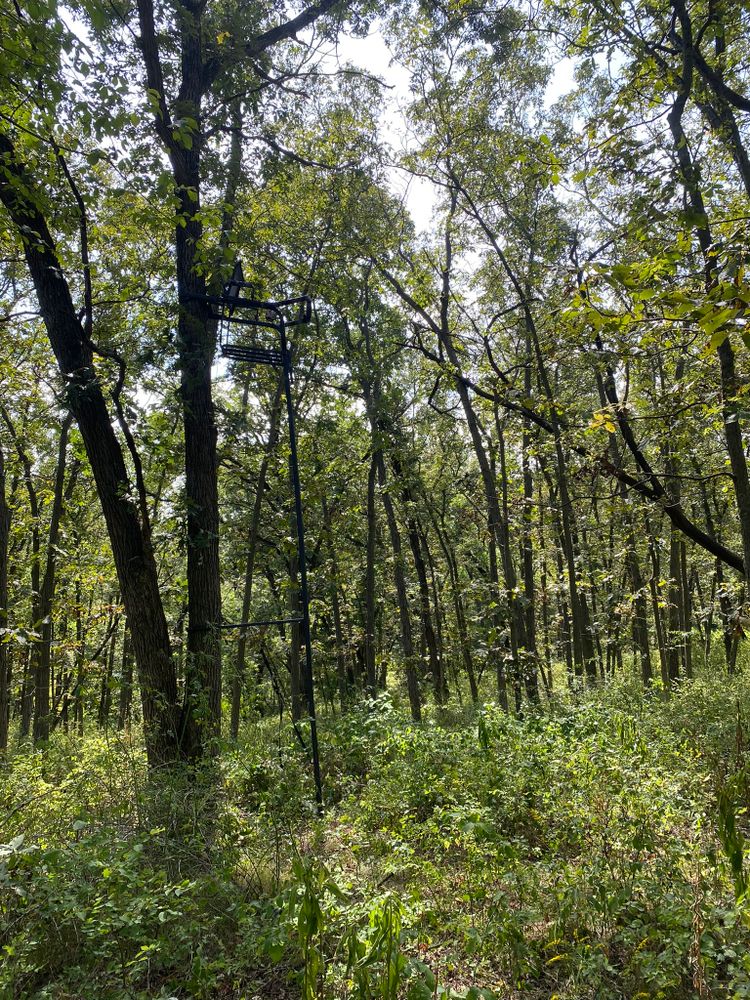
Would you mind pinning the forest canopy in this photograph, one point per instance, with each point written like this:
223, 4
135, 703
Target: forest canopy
521, 433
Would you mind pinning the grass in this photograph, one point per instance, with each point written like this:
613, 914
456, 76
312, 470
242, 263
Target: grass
592, 850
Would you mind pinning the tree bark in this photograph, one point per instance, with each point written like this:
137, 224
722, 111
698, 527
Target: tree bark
31, 659
126, 683
42, 713
4, 646
428, 630
131, 548
729, 380
105, 695
458, 607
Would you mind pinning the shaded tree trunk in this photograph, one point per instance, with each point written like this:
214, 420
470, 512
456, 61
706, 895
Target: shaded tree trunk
105, 695
4, 647
128, 533
434, 659
458, 607
126, 684
42, 713
730, 385
661, 639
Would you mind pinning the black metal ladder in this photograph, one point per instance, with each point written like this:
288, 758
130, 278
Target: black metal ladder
236, 309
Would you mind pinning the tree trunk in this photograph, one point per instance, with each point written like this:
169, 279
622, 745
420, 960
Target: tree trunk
458, 607
105, 696
238, 677
544, 590
31, 660
342, 680
661, 639
494, 649
730, 384
370, 598
584, 656
527, 545
524, 655
675, 613
4, 647
42, 714
129, 537
687, 611
407, 641
428, 630
80, 660
126, 684
637, 583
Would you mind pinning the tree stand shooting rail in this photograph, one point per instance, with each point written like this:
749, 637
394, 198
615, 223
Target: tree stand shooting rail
236, 308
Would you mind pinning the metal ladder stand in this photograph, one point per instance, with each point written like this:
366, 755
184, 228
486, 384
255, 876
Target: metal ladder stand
234, 307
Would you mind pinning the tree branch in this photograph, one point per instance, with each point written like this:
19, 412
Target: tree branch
265, 40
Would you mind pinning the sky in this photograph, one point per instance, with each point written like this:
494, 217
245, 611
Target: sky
373, 55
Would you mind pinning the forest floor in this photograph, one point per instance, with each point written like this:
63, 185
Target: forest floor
593, 850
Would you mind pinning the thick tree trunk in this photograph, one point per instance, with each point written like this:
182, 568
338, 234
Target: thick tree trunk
131, 548
183, 139
729, 380
201, 720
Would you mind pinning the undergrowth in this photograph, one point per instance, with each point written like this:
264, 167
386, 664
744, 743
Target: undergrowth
595, 849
